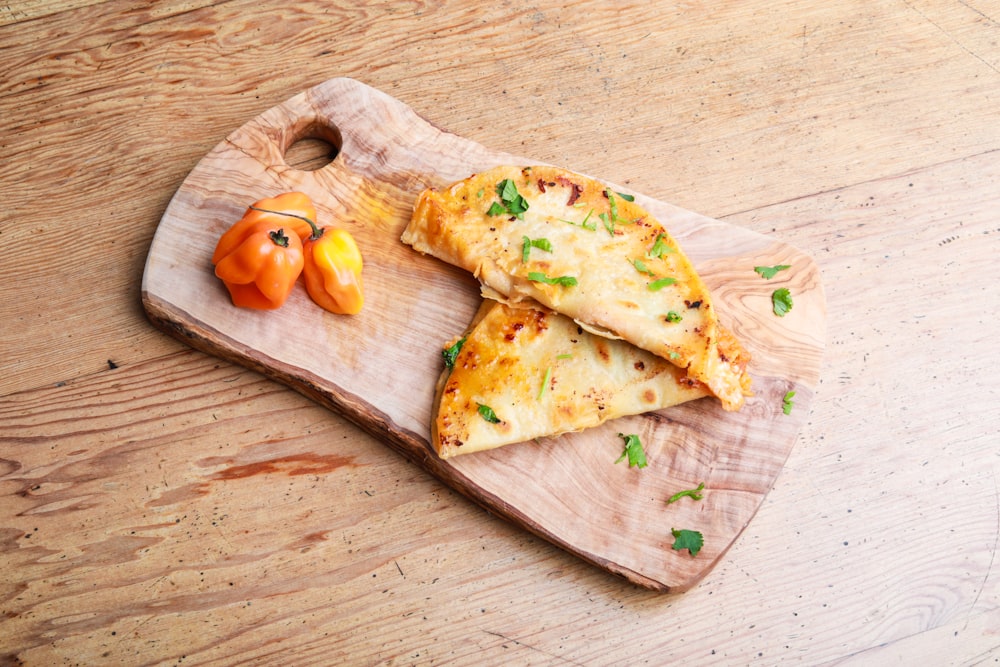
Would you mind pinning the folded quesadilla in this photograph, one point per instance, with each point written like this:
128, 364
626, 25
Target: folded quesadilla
543, 235
523, 373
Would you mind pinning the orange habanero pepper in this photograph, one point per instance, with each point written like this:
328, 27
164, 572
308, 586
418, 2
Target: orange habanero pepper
294, 210
332, 270
257, 260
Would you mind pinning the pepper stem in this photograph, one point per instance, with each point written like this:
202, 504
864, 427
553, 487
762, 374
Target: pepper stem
279, 238
316, 231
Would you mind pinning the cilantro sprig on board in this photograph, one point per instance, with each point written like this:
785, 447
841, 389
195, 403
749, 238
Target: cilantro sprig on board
692, 540
768, 272
633, 451
694, 494
787, 403
781, 301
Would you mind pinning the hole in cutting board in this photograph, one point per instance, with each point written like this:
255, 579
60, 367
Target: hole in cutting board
317, 147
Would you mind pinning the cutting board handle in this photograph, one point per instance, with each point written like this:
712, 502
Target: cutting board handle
269, 137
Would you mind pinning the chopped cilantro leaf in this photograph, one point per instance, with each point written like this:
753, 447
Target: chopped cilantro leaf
612, 204
673, 317
507, 190
511, 201
787, 402
451, 353
781, 301
691, 540
633, 451
660, 248
625, 196
608, 223
486, 412
694, 494
545, 383
528, 244
641, 267
539, 277
657, 285
517, 206
583, 223
768, 272
541, 244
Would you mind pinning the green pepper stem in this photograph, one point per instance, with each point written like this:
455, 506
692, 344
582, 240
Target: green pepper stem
317, 232
279, 238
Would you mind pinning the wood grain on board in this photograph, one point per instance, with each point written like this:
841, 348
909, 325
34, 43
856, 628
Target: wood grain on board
379, 368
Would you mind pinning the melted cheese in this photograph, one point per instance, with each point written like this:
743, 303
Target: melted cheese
543, 375
603, 245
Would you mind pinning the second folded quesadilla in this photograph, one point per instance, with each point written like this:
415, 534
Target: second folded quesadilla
524, 373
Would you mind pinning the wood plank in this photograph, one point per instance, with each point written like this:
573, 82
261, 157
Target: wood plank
119, 511
971, 26
877, 542
735, 121
973, 635
869, 547
26, 10
415, 304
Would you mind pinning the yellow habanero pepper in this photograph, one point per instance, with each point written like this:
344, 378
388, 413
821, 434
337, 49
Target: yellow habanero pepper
332, 271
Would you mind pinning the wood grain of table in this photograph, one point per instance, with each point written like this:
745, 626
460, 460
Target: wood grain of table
161, 506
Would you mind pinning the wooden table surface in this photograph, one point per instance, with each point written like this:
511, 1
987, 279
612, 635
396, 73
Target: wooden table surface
161, 506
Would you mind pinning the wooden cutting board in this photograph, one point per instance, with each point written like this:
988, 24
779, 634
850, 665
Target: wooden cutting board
379, 368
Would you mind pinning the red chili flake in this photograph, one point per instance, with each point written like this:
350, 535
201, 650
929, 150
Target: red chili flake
511, 335
541, 185
575, 190
574, 194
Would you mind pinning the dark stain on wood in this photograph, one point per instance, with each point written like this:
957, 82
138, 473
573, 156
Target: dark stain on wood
298, 464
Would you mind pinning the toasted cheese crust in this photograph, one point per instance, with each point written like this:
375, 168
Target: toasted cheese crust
610, 265
541, 374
